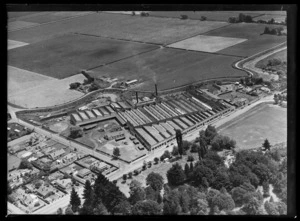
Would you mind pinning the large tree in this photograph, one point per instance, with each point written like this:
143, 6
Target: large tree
137, 192
107, 193
175, 175
88, 193
179, 142
266, 144
171, 203
75, 132
200, 172
123, 208
155, 180
75, 200
116, 152
223, 201
146, 207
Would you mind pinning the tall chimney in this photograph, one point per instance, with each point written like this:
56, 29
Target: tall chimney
137, 98
156, 90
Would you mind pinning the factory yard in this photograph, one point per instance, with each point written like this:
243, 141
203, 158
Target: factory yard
249, 131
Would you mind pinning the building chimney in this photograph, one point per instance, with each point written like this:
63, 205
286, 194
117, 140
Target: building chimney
156, 90
137, 98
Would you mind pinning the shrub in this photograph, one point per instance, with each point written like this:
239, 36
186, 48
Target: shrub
124, 176
190, 158
156, 160
129, 175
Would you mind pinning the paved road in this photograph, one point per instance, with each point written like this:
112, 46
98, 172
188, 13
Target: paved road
14, 209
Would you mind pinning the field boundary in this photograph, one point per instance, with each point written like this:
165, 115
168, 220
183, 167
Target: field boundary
212, 53
118, 39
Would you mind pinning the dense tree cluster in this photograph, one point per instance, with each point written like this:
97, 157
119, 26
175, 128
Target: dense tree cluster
273, 31
241, 18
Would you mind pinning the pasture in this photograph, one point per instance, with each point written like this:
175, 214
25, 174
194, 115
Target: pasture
207, 43
170, 68
210, 15
265, 121
19, 25
267, 17
67, 55
21, 80
47, 93
53, 16
256, 43
14, 44
119, 26
281, 55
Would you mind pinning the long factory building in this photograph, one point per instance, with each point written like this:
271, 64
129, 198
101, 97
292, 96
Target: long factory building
155, 124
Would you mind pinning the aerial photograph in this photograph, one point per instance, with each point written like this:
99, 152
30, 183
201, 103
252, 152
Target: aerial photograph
147, 112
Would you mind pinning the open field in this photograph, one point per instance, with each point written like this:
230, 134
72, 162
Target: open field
171, 68
119, 26
207, 43
210, 15
251, 31
19, 24
265, 121
15, 44
21, 80
277, 18
281, 55
53, 16
67, 55
48, 93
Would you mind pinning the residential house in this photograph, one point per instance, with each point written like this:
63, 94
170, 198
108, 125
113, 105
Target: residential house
63, 184
45, 191
99, 167
70, 157
83, 172
56, 154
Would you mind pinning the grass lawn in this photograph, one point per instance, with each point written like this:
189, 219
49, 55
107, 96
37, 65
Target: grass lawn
171, 68
251, 31
67, 55
265, 121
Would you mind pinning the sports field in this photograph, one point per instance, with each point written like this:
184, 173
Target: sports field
207, 43
257, 41
171, 68
265, 121
119, 26
67, 55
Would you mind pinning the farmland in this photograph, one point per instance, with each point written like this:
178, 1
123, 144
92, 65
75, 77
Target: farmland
119, 26
249, 132
171, 68
51, 16
257, 41
67, 55
210, 15
277, 18
207, 43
